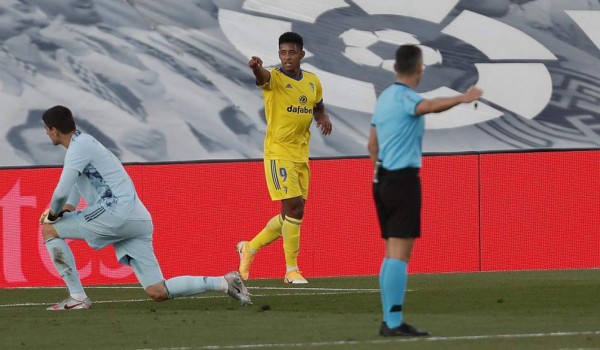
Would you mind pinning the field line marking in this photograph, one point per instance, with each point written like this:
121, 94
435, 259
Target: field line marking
319, 288
258, 288
383, 341
340, 292
86, 287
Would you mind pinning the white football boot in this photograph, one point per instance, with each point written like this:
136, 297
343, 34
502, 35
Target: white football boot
236, 288
71, 304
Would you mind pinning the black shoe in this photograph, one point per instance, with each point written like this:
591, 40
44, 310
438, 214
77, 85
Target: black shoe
404, 330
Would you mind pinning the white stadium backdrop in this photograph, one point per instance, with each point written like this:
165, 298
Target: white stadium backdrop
167, 80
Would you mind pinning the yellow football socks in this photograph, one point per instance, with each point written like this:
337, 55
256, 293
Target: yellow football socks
268, 234
291, 241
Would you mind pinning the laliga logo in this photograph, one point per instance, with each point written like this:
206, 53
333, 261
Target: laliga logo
461, 48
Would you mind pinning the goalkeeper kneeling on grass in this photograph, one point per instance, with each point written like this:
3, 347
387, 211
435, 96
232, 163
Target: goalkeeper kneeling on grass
115, 215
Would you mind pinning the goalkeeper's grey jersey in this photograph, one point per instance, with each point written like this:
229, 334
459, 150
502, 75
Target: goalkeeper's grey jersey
102, 179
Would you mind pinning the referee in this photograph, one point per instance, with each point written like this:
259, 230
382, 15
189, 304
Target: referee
395, 148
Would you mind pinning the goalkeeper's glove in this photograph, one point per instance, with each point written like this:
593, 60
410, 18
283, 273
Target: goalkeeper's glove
48, 218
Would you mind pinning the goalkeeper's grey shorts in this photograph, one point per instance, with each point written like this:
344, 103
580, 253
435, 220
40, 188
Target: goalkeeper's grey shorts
132, 239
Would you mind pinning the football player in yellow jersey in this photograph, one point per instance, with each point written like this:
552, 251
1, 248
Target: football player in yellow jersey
292, 98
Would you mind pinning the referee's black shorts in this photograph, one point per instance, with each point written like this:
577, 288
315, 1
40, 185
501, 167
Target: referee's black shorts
398, 201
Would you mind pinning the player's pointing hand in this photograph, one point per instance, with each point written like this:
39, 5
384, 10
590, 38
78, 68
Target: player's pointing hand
255, 62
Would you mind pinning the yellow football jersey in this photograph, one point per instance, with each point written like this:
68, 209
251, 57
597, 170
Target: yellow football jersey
289, 106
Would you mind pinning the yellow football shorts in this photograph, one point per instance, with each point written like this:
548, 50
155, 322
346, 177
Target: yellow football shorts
286, 179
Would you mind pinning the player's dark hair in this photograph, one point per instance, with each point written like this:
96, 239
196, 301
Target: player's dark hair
59, 117
408, 59
293, 38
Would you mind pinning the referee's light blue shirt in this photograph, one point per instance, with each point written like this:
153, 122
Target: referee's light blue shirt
399, 128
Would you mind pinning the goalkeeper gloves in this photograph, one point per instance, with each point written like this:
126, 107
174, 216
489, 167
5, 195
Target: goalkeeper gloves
49, 218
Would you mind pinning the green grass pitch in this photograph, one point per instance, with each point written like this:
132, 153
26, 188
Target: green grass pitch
508, 310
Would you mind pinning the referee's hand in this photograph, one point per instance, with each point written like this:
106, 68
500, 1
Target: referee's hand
473, 93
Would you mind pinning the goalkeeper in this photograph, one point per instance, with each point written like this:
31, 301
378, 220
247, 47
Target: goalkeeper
115, 215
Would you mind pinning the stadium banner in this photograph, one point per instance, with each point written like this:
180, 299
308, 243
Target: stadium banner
487, 212
540, 211
173, 74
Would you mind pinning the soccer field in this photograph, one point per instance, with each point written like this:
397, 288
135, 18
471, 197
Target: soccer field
517, 310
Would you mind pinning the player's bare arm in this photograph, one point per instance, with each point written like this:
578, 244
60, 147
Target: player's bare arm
322, 119
373, 146
440, 104
262, 75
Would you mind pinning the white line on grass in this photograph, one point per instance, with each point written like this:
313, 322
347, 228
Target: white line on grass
360, 290
317, 291
87, 287
258, 288
383, 341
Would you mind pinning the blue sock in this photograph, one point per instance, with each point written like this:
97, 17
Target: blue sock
384, 265
393, 281
183, 286
63, 260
